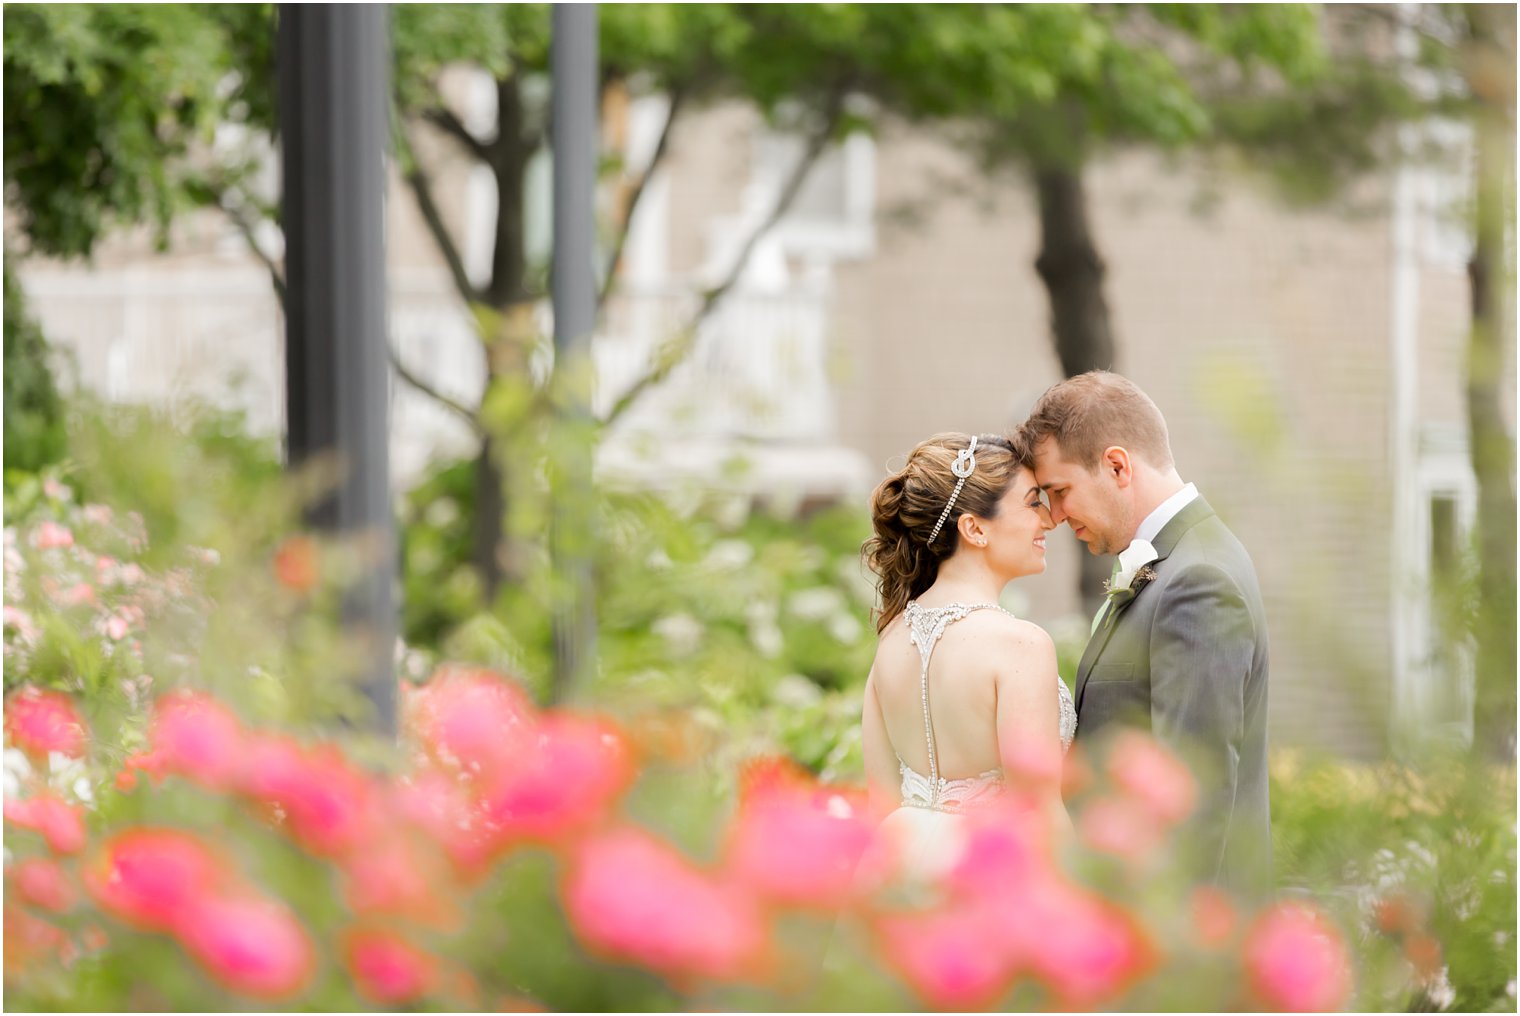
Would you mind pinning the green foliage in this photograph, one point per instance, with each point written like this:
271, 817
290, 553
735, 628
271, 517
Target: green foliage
34, 417
758, 618
1439, 834
103, 104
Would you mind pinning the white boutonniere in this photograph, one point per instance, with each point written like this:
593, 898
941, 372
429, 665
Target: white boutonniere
1134, 572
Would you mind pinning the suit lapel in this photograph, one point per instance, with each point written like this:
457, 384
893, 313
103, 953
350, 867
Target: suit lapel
1165, 542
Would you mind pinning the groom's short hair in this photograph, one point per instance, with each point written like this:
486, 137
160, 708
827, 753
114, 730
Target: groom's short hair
1094, 411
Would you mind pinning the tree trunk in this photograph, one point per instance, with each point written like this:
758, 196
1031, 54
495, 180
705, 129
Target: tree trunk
1490, 358
505, 292
1072, 270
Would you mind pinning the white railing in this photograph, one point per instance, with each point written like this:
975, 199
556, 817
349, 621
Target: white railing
758, 370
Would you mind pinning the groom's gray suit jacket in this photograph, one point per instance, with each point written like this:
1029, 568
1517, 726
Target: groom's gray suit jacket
1186, 659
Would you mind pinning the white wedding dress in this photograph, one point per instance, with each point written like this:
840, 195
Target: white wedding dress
926, 832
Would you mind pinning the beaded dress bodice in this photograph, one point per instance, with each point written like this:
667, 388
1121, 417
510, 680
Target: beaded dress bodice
925, 626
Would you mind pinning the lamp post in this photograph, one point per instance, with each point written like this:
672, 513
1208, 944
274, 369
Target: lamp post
334, 99
573, 62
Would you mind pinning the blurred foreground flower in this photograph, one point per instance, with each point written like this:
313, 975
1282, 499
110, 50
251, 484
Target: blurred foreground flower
296, 564
395, 867
633, 898
1296, 961
151, 878
387, 969
39, 722
795, 843
249, 943
60, 823
43, 883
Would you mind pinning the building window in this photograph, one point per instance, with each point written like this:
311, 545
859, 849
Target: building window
1441, 649
833, 214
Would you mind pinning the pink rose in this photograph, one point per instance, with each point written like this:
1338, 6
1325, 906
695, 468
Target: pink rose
632, 898
42, 883
150, 878
798, 844
39, 722
328, 806
566, 779
249, 943
195, 736
1296, 962
1153, 776
387, 969
50, 534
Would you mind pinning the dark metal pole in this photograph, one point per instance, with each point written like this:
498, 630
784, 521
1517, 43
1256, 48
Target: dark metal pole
334, 117
573, 61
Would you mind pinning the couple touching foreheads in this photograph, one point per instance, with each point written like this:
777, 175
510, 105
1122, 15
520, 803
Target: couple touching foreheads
960, 689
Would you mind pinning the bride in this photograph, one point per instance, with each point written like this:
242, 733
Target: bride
960, 689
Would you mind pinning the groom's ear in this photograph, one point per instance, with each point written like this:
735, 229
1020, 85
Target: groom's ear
1116, 463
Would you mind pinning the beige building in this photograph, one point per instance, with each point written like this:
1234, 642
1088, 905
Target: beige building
1308, 363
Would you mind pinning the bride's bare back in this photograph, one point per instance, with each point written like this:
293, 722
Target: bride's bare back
992, 690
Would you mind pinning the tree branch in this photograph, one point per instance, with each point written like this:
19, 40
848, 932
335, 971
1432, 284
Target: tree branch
676, 349
460, 409
444, 119
245, 229
422, 189
615, 259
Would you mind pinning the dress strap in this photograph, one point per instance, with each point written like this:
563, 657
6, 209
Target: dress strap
925, 626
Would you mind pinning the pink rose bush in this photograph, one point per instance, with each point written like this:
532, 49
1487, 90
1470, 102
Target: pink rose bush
288, 875
79, 602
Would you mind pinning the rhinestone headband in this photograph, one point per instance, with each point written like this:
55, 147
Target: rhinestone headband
963, 466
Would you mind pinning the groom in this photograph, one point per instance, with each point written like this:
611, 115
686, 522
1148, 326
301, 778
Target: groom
1179, 648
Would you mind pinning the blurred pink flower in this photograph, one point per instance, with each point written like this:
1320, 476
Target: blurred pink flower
117, 627
1296, 961
197, 737
567, 778
1028, 764
471, 719
97, 514
151, 878
798, 843
1395, 914
61, 824
438, 805
29, 938
49, 534
1153, 776
1423, 953
395, 877
39, 722
248, 942
947, 956
296, 564
1120, 826
20, 620
1214, 916
326, 804
387, 970
1006, 847
1085, 948
630, 897
42, 883
79, 594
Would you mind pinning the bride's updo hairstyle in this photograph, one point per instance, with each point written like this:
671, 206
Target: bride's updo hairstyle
907, 504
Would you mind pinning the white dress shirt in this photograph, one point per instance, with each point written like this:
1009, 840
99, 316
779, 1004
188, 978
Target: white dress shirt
1164, 513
